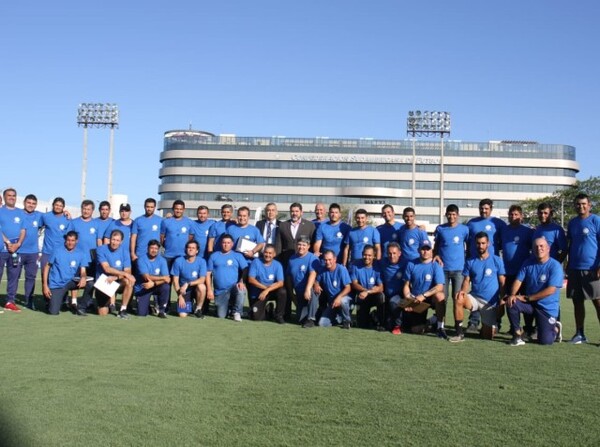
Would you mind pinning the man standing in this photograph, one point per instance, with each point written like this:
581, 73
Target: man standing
152, 278
225, 279
103, 221
543, 278
123, 224
269, 227
484, 275
87, 230
114, 261
65, 271
410, 237
359, 237
334, 284
144, 229
551, 231
583, 236
320, 215
301, 273
367, 286
243, 230
13, 234
330, 235
388, 231
265, 279
219, 228
424, 282
189, 279
55, 224
175, 232
291, 231
30, 250
201, 229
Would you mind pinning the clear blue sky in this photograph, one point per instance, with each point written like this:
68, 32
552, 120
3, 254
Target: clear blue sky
519, 70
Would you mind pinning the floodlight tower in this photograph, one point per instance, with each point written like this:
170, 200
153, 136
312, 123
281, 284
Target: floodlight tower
97, 115
426, 124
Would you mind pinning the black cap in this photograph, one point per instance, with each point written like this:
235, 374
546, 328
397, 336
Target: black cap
125, 207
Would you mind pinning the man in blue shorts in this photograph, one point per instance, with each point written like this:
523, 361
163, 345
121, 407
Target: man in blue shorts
152, 278
225, 276
359, 237
367, 287
334, 285
13, 234
65, 271
330, 235
583, 236
189, 280
265, 280
543, 278
301, 273
482, 287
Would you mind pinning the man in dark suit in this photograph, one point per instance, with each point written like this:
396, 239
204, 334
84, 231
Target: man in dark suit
291, 231
269, 227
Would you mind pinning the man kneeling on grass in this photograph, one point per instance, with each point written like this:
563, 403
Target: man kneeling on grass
543, 278
485, 275
189, 280
333, 285
152, 279
65, 271
265, 279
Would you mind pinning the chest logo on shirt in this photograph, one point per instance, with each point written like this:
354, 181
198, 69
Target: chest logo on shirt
411, 241
428, 277
206, 233
157, 271
183, 229
586, 231
365, 239
394, 236
194, 274
339, 234
229, 262
118, 263
334, 283
455, 239
516, 239
271, 277
34, 224
488, 227
73, 263
488, 272
61, 227
302, 268
92, 231
17, 219
543, 277
399, 275
371, 280
154, 227
246, 237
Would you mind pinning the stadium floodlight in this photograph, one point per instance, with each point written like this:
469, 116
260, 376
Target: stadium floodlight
426, 124
98, 115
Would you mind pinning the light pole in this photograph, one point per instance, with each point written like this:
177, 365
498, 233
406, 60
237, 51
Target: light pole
426, 124
97, 115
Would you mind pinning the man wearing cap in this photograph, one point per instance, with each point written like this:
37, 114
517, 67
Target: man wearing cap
424, 283
301, 272
123, 224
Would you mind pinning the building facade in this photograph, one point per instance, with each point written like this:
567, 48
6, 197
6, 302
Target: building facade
202, 168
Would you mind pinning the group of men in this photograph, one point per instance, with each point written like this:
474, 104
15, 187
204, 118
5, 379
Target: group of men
325, 267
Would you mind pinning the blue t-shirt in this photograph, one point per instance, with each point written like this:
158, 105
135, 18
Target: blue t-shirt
177, 234
516, 246
368, 277
188, 271
65, 265
125, 229
146, 228
11, 221
299, 267
357, 238
387, 233
87, 233
118, 259
584, 236
491, 226
218, 229
55, 228
332, 237
249, 232
333, 282
200, 231
410, 240
483, 274
102, 226
537, 277
264, 274
423, 276
31, 223
450, 243
392, 277
146, 266
554, 235
226, 269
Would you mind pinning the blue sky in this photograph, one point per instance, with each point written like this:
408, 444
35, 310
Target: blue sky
518, 70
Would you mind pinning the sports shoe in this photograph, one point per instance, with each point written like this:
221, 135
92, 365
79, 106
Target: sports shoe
154, 310
457, 338
123, 315
162, 314
237, 317
396, 330
279, 320
578, 339
346, 325
472, 329
441, 333
308, 324
12, 307
269, 311
199, 314
380, 328
517, 341
558, 338
80, 313
111, 309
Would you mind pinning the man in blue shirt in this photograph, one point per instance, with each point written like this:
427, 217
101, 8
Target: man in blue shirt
219, 228
243, 230
152, 278
551, 231
65, 271
334, 285
144, 229
359, 237
543, 278
103, 221
367, 287
265, 280
388, 231
30, 250
301, 273
56, 224
13, 234
583, 236
330, 235
175, 232
410, 237
225, 276
201, 229
482, 287
189, 280
391, 273
124, 224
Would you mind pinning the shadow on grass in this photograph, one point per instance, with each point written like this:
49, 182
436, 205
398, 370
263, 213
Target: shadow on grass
12, 433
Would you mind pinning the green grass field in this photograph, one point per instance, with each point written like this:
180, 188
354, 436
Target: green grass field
71, 381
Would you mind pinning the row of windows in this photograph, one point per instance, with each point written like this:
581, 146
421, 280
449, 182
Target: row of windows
378, 167
399, 147
316, 182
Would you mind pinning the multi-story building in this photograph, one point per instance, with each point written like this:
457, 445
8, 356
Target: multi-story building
202, 168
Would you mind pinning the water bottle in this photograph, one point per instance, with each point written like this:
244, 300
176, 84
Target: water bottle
15, 259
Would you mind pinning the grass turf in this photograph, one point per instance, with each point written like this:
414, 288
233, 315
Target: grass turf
103, 381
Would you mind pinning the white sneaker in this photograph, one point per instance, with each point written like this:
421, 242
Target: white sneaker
237, 317
558, 338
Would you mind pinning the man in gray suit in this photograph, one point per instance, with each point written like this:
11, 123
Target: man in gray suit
291, 231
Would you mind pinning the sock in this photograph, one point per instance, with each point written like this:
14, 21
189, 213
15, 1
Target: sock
458, 326
123, 308
440, 325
